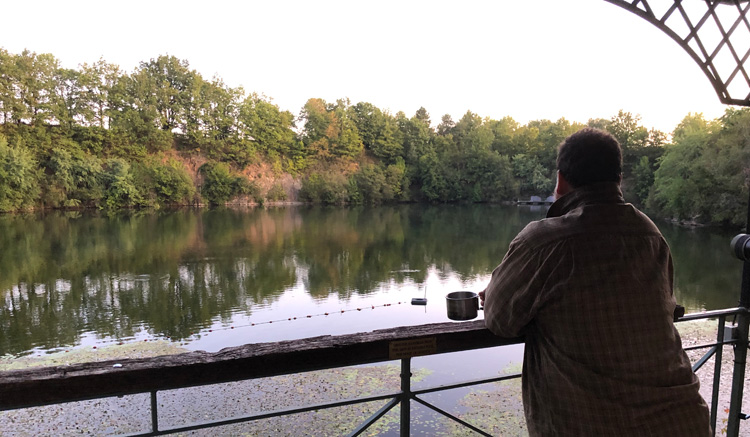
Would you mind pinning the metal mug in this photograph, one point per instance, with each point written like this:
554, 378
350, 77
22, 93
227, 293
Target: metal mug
462, 305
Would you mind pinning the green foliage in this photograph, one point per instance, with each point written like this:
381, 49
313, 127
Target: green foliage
431, 177
220, 184
171, 183
19, 178
372, 184
379, 131
534, 178
643, 174
95, 136
276, 193
703, 176
270, 131
76, 179
120, 188
329, 132
331, 188
232, 151
243, 187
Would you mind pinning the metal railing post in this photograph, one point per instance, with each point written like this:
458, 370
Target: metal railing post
717, 372
154, 413
405, 396
740, 348
738, 377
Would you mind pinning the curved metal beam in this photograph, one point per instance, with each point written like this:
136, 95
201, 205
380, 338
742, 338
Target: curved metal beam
696, 24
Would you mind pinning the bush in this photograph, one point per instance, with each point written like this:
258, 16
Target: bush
220, 184
276, 193
120, 189
371, 182
19, 178
329, 188
171, 183
75, 179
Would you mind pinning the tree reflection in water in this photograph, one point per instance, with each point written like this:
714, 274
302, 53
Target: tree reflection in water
66, 276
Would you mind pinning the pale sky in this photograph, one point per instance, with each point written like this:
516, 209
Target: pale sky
540, 59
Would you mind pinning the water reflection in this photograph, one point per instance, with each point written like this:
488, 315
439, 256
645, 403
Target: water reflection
707, 275
67, 277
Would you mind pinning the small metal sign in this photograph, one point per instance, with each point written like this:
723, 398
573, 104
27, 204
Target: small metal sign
412, 348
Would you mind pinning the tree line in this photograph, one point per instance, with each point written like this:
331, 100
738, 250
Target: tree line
98, 136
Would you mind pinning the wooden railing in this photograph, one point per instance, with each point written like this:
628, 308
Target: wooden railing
53, 385
77, 382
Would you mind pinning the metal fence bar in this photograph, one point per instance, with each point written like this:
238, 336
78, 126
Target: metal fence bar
712, 314
698, 364
154, 413
738, 376
466, 384
708, 345
717, 373
405, 396
374, 418
450, 416
276, 413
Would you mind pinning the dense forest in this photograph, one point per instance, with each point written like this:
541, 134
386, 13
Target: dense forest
100, 137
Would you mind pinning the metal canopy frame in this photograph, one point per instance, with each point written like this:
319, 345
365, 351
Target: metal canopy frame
716, 34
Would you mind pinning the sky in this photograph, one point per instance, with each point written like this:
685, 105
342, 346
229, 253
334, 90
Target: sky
530, 60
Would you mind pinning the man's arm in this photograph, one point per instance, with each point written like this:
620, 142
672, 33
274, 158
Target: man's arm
514, 294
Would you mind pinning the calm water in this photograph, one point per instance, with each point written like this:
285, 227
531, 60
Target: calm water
209, 279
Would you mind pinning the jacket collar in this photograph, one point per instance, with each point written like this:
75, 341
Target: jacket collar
601, 192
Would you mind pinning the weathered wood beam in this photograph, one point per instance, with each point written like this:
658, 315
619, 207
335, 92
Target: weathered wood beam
49, 385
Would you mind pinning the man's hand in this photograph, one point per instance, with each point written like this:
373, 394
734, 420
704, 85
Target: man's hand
481, 298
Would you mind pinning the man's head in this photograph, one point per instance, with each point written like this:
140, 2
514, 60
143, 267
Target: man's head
587, 157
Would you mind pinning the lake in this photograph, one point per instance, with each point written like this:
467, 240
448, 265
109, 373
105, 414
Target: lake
208, 279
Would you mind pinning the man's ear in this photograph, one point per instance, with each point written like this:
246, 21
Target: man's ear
563, 187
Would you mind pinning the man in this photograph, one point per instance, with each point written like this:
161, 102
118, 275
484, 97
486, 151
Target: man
590, 287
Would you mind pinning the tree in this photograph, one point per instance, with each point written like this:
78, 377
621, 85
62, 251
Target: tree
328, 132
643, 174
317, 128
97, 81
681, 183
632, 138
422, 115
551, 134
533, 177
446, 125
432, 181
33, 82
417, 135
271, 130
9, 102
169, 84
347, 143
135, 119
472, 133
503, 131
67, 105
388, 144
369, 121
